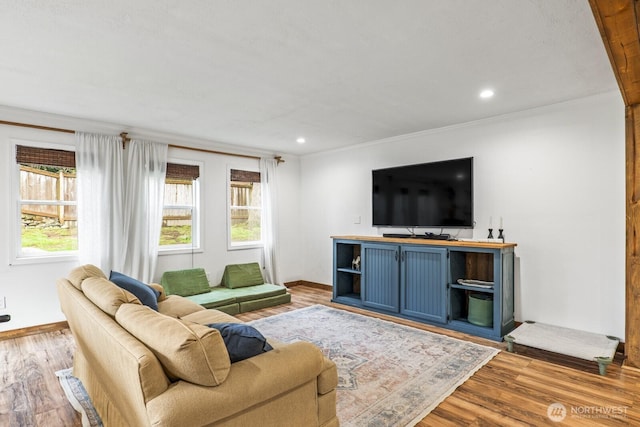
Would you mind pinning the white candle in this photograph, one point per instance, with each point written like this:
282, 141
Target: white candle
501, 223
490, 220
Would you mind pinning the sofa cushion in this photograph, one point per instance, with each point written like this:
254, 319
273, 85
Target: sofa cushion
241, 275
187, 351
146, 294
177, 306
205, 317
242, 341
185, 282
78, 274
106, 295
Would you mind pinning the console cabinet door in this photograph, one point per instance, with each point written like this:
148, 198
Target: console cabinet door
380, 276
424, 283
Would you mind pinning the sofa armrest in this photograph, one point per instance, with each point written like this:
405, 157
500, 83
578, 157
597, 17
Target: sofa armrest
328, 378
249, 383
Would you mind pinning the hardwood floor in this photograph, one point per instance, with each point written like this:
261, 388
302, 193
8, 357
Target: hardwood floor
513, 389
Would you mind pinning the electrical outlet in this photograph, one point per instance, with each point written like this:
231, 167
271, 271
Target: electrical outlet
3, 303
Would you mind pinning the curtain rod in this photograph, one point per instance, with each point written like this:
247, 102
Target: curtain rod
125, 138
25, 125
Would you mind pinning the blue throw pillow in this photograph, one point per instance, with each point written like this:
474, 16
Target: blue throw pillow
146, 294
242, 341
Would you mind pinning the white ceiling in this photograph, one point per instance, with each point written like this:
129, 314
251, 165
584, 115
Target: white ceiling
261, 73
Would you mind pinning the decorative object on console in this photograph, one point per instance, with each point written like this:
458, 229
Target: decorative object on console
355, 264
500, 234
490, 236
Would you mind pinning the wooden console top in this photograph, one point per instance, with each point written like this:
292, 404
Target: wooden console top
432, 242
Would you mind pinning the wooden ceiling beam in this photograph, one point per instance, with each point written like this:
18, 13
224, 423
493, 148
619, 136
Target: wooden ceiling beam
617, 21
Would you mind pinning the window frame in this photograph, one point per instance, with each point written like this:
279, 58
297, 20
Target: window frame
254, 244
18, 257
196, 244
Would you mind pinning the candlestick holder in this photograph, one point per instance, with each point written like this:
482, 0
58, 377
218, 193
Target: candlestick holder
500, 235
490, 234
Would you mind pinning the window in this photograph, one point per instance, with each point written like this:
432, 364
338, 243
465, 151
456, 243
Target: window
46, 208
245, 208
180, 225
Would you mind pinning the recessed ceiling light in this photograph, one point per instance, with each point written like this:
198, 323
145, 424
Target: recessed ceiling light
486, 94
301, 140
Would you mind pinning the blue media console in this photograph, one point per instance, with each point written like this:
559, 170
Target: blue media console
428, 281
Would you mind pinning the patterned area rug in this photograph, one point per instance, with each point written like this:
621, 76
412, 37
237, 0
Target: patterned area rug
389, 374
79, 399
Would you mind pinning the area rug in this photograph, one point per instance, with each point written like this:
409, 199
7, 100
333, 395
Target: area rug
389, 374
78, 397
571, 342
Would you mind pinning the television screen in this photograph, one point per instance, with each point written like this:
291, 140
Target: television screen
437, 194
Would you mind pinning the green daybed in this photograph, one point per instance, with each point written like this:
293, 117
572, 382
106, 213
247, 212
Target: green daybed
242, 288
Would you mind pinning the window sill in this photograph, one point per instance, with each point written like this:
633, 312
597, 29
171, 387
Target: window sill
240, 246
179, 251
30, 260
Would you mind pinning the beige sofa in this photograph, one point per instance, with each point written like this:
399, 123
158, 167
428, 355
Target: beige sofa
164, 368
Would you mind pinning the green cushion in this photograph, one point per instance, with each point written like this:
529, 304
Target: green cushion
264, 302
185, 282
247, 293
240, 300
213, 298
241, 275
231, 309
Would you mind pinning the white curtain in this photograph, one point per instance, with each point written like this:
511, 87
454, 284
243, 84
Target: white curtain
269, 187
99, 165
144, 196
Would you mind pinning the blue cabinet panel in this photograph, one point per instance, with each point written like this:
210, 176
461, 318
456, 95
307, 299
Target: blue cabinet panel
380, 278
507, 289
424, 280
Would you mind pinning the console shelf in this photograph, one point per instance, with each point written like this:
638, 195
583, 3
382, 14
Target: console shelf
471, 288
418, 279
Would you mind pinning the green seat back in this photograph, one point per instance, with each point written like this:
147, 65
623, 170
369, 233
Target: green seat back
185, 282
241, 275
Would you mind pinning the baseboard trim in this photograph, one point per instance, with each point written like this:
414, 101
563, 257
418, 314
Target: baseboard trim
33, 330
628, 367
309, 284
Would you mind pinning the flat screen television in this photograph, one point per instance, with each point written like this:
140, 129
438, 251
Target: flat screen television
436, 194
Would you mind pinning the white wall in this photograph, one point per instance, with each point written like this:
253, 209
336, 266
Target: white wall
555, 175
30, 288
